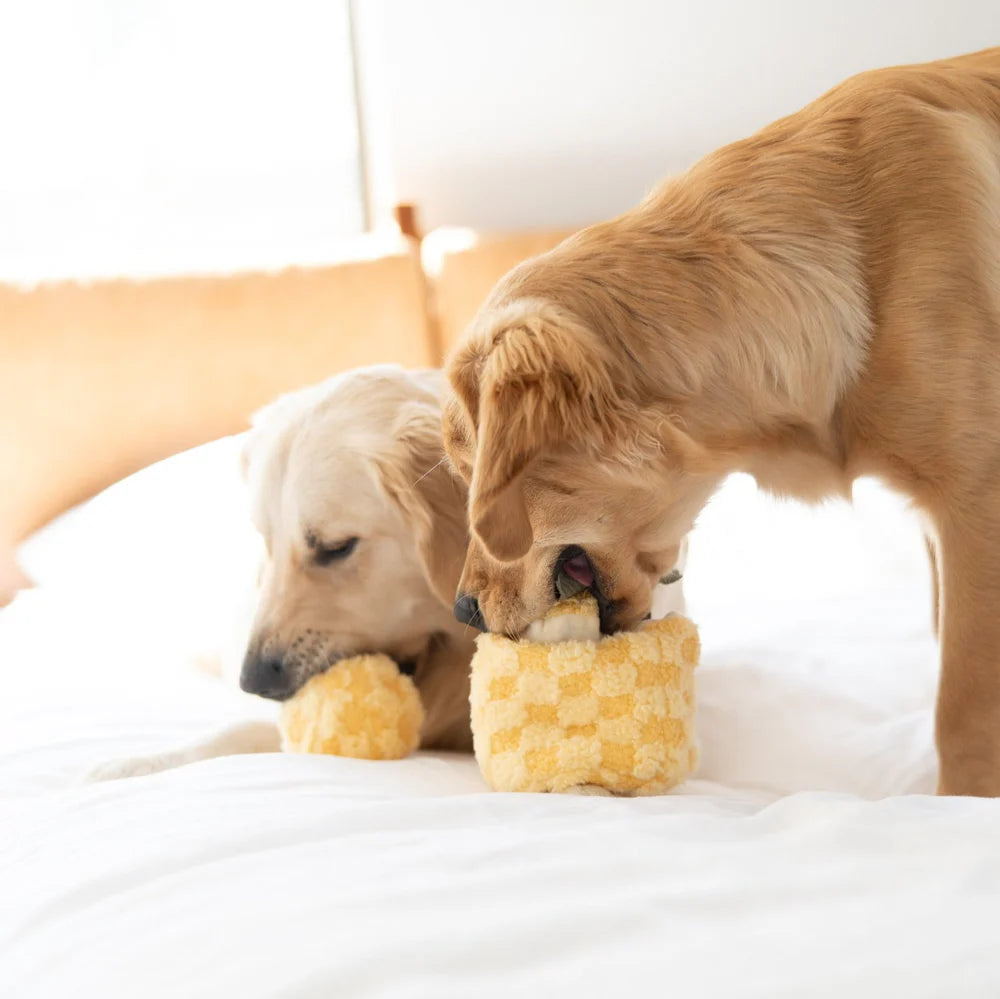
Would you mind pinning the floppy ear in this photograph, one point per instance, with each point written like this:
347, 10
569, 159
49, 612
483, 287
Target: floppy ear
261, 426
269, 422
419, 480
464, 369
543, 384
500, 516
507, 443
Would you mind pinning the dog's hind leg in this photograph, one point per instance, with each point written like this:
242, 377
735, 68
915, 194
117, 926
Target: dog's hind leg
968, 706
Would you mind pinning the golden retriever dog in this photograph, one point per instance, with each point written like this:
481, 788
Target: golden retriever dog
816, 303
365, 530
364, 526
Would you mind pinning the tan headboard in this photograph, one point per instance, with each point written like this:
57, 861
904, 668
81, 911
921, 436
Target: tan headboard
98, 380
462, 266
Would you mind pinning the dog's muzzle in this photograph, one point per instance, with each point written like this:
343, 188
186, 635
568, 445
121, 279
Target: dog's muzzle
467, 611
266, 676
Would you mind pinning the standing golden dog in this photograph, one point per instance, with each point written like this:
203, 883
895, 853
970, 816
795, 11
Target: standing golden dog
815, 303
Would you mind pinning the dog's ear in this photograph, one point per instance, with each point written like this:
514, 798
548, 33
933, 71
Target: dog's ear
542, 385
267, 426
464, 370
418, 479
507, 442
252, 442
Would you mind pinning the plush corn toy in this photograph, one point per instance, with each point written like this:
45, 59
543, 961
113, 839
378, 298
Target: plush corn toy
566, 709
363, 707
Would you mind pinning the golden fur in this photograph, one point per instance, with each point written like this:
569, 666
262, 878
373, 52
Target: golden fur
815, 303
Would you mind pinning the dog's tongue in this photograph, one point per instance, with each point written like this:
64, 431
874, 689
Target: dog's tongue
579, 570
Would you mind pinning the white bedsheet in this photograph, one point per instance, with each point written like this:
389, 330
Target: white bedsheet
809, 858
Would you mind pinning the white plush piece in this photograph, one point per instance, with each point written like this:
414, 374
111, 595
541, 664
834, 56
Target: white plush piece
807, 859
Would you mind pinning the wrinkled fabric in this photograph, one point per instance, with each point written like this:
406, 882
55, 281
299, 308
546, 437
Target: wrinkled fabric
808, 857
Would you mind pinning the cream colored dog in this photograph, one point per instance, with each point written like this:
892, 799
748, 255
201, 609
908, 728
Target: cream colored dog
816, 303
365, 535
364, 525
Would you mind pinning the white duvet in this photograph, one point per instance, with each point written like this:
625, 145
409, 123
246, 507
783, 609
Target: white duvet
808, 859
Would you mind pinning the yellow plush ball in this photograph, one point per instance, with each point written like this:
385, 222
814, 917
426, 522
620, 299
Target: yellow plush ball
560, 710
362, 707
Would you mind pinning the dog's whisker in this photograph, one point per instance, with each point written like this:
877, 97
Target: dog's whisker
429, 470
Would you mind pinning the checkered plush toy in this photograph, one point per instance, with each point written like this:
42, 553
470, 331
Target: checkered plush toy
362, 707
566, 709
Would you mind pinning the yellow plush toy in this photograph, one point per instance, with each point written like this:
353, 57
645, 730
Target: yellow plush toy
362, 707
565, 708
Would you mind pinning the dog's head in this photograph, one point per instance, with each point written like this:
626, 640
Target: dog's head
572, 469
363, 523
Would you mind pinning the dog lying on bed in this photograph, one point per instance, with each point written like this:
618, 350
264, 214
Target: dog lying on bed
365, 532
816, 303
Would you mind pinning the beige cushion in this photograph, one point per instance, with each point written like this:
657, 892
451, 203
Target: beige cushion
101, 379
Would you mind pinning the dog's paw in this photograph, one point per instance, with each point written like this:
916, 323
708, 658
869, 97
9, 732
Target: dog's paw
120, 769
234, 740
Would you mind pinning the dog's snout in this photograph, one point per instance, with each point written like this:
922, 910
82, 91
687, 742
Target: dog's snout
467, 611
266, 676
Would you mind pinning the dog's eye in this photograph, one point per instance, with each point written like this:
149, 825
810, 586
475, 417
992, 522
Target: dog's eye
324, 554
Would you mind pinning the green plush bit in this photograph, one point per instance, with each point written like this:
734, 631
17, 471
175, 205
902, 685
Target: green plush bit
567, 586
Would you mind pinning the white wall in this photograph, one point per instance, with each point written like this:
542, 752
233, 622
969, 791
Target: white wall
516, 113
151, 136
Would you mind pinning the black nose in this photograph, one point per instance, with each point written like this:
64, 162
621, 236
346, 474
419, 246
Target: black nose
266, 676
467, 611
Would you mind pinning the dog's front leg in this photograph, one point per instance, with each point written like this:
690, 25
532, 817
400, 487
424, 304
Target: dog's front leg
968, 707
235, 740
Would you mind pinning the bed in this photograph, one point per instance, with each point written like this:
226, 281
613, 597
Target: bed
807, 858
